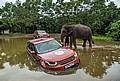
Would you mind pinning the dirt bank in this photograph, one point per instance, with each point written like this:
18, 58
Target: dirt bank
25, 36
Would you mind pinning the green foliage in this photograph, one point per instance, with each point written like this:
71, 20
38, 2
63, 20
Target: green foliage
114, 31
101, 37
50, 16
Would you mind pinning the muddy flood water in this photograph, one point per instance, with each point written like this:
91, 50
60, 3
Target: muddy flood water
100, 63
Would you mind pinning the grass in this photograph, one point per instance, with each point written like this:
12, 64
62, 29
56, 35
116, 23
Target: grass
99, 37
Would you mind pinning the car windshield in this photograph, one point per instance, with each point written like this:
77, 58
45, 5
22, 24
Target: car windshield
47, 46
40, 32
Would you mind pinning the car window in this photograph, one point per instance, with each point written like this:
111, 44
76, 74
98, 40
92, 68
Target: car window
31, 47
47, 46
40, 32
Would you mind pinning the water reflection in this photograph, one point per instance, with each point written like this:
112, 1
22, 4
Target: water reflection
13, 51
94, 61
61, 72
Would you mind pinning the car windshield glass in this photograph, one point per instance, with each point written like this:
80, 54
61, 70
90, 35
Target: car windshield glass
40, 32
47, 46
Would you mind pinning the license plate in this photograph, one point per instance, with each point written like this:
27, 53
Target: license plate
69, 65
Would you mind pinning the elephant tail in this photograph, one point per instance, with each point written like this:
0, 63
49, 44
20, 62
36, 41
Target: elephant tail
93, 42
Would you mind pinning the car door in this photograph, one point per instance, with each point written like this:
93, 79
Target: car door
32, 51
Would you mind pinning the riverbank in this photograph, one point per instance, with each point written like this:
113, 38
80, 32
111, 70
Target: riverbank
18, 35
57, 36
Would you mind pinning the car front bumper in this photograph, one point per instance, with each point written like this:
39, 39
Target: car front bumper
64, 66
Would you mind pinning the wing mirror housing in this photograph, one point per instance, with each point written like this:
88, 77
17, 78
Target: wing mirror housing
62, 44
33, 52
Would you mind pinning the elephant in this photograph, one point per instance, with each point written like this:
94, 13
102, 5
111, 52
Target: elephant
75, 31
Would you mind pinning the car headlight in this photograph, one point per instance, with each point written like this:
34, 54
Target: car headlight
75, 55
51, 63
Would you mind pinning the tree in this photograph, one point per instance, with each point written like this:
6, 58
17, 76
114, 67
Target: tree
50, 16
114, 31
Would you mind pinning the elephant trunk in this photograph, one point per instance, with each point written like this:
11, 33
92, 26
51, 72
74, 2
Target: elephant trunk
62, 38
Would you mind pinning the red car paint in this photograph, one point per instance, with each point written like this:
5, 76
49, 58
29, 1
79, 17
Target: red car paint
60, 58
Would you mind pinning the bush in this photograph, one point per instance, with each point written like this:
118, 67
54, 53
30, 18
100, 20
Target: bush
114, 31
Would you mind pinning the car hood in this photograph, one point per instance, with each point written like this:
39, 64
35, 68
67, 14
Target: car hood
57, 55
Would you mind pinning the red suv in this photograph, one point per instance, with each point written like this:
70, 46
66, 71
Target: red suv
50, 54
41, 34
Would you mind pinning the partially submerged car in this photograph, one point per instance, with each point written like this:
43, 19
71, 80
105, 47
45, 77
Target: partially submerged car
41, 34
50, 54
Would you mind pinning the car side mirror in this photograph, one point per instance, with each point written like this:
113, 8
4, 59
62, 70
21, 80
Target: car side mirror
62, 45
33, 52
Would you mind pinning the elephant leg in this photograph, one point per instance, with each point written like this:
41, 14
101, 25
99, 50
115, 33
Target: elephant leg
74, 42
71, 40
84, 43
90, 43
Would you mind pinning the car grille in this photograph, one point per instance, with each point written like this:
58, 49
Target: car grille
66, 60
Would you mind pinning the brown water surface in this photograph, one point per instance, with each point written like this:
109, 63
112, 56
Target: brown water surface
99, 63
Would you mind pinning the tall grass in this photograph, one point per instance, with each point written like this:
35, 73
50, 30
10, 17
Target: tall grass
102, 37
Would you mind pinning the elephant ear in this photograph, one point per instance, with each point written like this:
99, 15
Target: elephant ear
69, 33
70, 30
